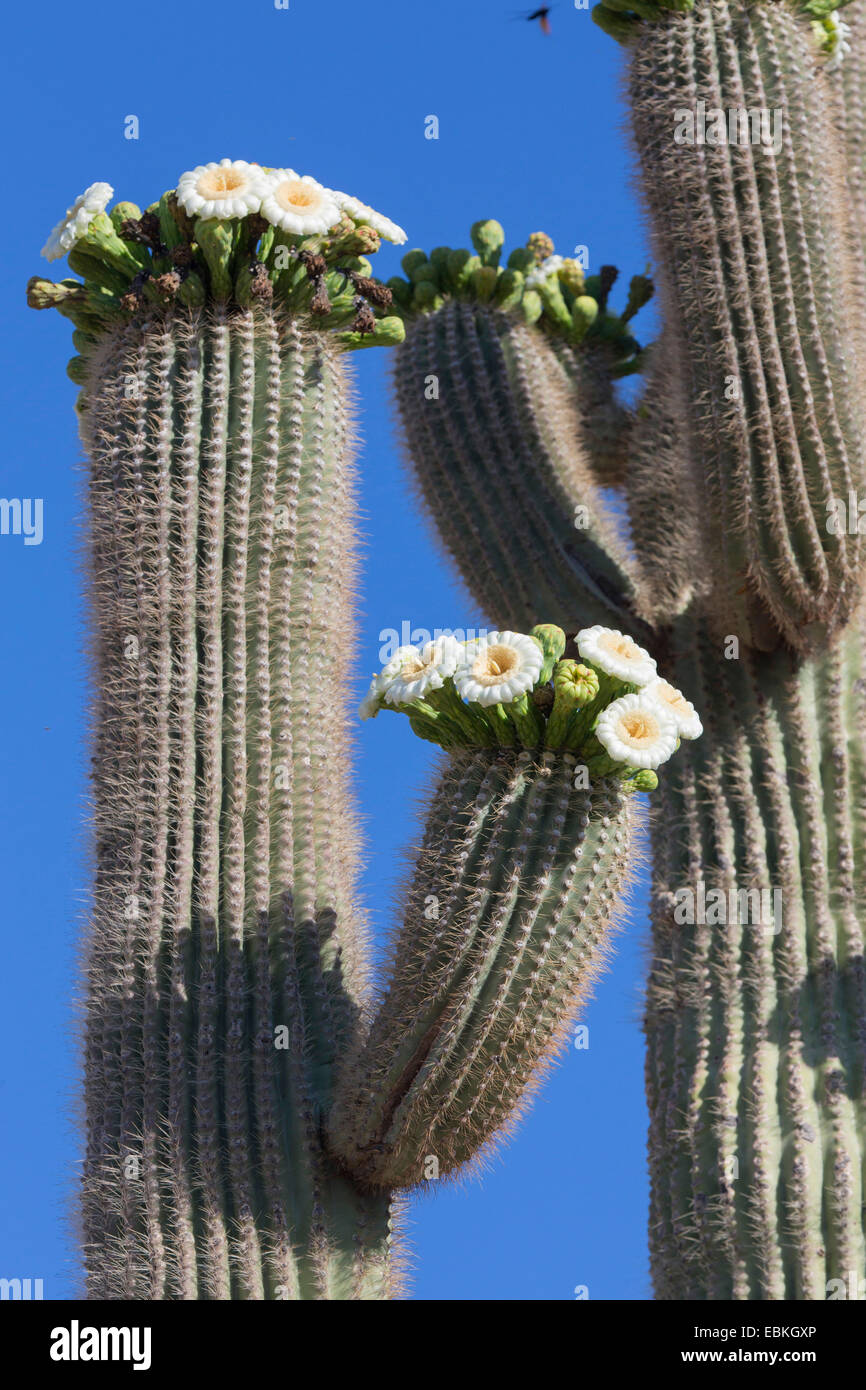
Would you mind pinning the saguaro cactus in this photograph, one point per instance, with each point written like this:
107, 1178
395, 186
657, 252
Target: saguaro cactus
742, 486
231, 1032
254, 1101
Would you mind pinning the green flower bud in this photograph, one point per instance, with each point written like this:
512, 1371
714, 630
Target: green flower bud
584, 313
571, 276
574, 687
645, 780
488, 238
76, 370
97, 272
401, 291
124, 212
357, 241
521, 259
483, 282
460, 270
509, 289
618, 26
412, 259
45, 294
217, 240
424, 270
551, 640
531, 306
82, 341
640, 292
426, 296
192, 291
455, 267
101, 242
555, 306
170, 230
388, 332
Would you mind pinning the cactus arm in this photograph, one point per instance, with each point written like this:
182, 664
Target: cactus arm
526, 871
512, 429
756, 263
481, 442
513, 892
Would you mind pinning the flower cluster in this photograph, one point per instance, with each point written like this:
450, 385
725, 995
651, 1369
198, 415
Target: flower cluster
231, 232
509, 689
296, 203
535, 284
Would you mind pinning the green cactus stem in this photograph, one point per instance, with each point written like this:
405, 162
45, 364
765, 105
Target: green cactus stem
761, 278
225, 967
756, 1015
486, 406
506, 924
226, 963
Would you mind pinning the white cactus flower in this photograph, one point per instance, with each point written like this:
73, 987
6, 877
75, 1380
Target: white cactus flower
637, 731
549, 266
616, 654
369, 706
686, 716
366, 216
71, 229
231, 188
298, 204
498, 668
413, 671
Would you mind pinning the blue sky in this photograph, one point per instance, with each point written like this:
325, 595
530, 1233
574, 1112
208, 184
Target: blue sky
531, 131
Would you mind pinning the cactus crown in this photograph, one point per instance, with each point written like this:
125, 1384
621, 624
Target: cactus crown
622, 18
516, 690
545, 289
232, 233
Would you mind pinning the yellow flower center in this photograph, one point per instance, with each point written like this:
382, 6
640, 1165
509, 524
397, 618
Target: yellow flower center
221, 183
493, 664
672, 697
620, 646
294, 195
638, 728
414, 667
